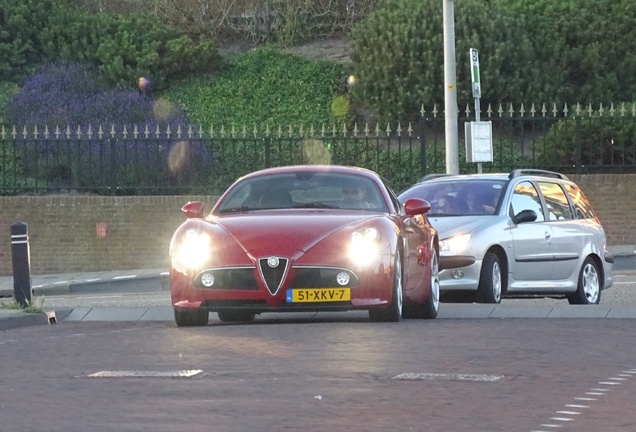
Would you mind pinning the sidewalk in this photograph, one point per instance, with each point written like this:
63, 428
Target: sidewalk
138, 281
145, 280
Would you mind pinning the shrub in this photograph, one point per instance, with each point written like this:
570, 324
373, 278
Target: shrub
530, 52
261, 88
122, 48
588, 140
69, 93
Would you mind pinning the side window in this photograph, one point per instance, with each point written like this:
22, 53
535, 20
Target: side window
582, 206
526, 197
556, 201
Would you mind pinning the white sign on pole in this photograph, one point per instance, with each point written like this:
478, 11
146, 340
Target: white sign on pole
478, 141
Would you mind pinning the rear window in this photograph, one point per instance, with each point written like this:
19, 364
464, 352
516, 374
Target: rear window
582, 206
556, 201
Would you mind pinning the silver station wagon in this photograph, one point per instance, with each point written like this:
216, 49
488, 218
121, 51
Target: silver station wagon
529, 233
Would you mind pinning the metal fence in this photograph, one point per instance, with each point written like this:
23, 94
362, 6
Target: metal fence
132, 160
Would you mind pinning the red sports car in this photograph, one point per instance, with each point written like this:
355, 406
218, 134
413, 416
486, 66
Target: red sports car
305, 238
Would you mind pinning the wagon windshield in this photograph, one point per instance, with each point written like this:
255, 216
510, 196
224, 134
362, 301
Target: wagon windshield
303, 190
459, 198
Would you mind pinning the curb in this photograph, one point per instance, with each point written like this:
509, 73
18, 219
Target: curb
10, 320
141, 284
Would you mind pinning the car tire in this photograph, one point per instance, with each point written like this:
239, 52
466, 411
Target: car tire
430, 308
235, 316
588, 290
393, 313
191, 317
490, 280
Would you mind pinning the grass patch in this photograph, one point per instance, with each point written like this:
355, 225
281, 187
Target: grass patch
36, 306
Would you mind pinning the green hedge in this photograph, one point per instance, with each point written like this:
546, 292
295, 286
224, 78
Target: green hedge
33, 32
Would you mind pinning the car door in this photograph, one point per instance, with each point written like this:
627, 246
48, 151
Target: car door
532, 252
568, 235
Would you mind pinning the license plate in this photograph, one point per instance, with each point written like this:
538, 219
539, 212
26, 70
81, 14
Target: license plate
313, 295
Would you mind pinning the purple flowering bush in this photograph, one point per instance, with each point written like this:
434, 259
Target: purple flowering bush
68, 96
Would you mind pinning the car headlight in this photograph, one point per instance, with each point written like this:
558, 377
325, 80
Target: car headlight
194, 249
454, 245
363, 246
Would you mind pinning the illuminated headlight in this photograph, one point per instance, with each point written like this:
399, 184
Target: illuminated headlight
363, 248
194, 249
454, 245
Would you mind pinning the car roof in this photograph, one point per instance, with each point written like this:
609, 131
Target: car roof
339, 169
530, 173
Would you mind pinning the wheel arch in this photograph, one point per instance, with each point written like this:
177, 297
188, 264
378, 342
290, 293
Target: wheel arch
503, 262
599, 266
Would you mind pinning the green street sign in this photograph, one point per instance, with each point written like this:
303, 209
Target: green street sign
474, 72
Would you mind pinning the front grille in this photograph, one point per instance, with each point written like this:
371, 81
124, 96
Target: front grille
273, 276
320, 277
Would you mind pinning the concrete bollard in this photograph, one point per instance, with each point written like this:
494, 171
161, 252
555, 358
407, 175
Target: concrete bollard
21, 258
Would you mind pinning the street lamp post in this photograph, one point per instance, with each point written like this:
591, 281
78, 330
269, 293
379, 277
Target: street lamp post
450, 90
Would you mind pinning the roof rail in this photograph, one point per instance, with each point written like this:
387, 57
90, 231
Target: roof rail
537, 172
432, 176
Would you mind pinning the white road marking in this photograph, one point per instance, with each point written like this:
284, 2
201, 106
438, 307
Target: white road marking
146, 374
410, 376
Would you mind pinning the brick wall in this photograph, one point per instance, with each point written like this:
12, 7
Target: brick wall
63, 228
613, 197
63, 231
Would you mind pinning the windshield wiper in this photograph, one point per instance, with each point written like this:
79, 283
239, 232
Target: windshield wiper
315, 205
236, 209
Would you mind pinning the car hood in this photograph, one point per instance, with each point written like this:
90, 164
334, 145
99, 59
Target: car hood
449, 226
272, 232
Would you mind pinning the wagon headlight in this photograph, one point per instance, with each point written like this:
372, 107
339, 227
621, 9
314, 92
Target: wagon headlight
363, 246
454, 245
194, 249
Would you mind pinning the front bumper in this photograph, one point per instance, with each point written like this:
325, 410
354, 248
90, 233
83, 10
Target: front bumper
460, 273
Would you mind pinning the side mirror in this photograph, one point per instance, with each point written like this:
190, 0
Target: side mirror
525, 216
416, 206
193, 209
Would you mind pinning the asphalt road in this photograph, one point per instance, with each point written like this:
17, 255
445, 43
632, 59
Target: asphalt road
344, 374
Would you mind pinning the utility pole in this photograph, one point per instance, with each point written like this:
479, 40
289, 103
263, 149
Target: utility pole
450, 90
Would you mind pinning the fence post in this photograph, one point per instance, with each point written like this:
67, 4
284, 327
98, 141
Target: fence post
113, 167
268, 152
20, 256
577, 146
422, 146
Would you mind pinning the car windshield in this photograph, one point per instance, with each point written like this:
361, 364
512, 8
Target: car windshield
303, 190
459, 198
